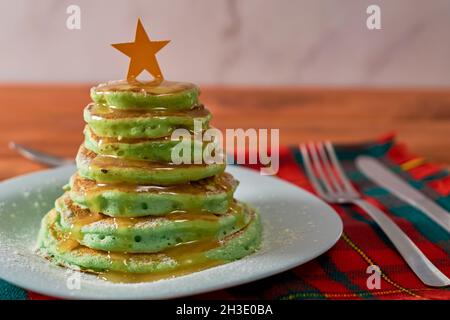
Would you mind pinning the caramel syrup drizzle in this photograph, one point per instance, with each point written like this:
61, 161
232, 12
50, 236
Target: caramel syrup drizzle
220, 183
150, 87
94, 160
78, 218
102, 111
188, 257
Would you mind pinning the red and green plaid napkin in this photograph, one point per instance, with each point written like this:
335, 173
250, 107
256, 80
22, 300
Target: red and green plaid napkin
341, 272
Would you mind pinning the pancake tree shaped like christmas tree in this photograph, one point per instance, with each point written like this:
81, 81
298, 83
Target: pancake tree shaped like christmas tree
130, 213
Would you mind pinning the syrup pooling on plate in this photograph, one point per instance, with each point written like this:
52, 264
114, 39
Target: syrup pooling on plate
77, 223
122, 277
184, 253
186, 257
190, 256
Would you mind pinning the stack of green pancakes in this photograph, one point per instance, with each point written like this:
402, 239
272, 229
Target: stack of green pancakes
130, 213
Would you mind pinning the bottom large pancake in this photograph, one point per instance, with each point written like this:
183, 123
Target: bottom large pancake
143, 234
181, 259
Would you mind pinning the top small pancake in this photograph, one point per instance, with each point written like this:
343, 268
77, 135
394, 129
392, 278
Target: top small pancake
165, 95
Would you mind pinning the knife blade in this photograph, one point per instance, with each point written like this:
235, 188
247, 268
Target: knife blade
381, 175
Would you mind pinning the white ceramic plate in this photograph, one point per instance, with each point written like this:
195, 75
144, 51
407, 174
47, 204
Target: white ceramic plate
297, 228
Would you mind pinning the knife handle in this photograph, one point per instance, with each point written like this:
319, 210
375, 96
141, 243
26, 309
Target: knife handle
414, 257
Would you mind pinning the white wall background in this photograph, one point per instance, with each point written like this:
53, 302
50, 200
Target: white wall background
268, 42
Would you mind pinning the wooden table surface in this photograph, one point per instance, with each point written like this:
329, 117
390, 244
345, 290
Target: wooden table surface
49, 117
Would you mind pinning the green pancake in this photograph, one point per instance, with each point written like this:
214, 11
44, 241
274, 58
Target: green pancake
157, 150
146, 234
52, 244
130, 212
211, 195
167, 95
109, 122
107, 169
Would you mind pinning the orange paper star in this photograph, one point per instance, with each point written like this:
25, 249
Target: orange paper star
142, 53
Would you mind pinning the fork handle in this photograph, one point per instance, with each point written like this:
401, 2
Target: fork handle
414, 257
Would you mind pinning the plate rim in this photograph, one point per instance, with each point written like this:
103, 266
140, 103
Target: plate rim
56, 293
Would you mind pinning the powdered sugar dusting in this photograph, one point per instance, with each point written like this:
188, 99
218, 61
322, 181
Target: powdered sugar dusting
296, 226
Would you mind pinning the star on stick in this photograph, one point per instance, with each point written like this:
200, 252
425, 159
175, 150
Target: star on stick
142, 53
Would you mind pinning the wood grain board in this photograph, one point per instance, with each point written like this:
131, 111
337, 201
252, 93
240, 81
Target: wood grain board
49, 117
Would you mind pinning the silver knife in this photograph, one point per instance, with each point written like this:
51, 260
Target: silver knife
382, 176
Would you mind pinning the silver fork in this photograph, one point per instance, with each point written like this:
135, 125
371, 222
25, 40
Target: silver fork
38, 156
331, 183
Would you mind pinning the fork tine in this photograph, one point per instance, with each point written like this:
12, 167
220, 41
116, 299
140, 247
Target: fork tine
38, 156
348, 187
415, 258
317, 164
310, 172
328, 168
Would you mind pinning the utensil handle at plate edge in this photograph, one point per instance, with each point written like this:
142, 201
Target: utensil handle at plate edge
414, 257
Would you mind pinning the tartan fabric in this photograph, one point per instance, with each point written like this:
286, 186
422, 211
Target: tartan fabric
341, 272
